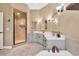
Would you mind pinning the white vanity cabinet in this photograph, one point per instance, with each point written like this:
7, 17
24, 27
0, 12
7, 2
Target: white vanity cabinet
55, 41
35, 37
40, 38
1, 30
58, 43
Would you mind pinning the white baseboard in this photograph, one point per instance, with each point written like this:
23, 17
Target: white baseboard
7, 47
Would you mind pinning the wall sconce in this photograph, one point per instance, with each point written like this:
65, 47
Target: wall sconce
55, 21
49, 18
53, 18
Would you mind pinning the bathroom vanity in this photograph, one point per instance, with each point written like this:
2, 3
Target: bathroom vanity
53, 40
36, 37
47, 39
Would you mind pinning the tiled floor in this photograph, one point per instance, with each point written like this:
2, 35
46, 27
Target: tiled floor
4, 52
22, 50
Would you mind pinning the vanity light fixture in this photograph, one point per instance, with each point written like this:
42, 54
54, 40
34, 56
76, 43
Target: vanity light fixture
60, 8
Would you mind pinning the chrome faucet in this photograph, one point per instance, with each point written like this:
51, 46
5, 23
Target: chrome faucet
55, 49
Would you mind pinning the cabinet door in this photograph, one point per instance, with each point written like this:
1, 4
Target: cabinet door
1, 22
40, 38
1, 41
59, 43
1, 30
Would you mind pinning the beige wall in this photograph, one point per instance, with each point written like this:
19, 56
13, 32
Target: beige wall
34, 16
69, 24
7, 9
44, 13
7, 14
48, 11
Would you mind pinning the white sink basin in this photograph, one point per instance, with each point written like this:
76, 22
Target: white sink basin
49, 36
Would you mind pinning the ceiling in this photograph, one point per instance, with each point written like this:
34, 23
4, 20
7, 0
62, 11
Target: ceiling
36, 6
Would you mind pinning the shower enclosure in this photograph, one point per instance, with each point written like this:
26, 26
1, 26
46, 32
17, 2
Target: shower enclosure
20, 28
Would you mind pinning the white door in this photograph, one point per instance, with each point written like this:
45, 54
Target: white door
1, 30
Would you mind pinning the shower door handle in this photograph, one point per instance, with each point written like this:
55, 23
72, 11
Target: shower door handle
25, 28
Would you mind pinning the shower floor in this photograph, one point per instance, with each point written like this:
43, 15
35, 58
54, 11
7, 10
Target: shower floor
19, 41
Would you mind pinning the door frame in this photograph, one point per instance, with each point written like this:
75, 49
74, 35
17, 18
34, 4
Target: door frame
14, 26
